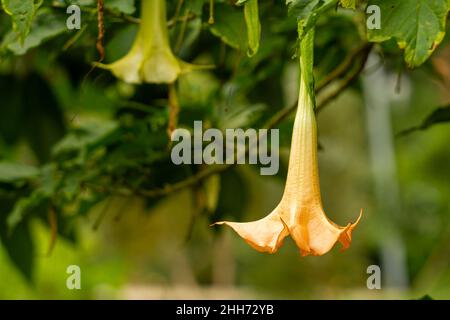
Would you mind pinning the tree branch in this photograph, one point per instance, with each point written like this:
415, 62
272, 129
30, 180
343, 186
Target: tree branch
347, 81
101, 30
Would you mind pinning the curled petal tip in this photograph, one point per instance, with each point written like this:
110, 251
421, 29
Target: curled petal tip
264, 235
346, 236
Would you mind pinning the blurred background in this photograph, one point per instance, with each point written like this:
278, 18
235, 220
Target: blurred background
78, 147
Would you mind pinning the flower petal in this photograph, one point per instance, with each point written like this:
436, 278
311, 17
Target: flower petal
160, 66
264, 235
316, 234
126, 68
346, 237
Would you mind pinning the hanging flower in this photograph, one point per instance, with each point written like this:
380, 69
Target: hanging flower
300, 212
150, 59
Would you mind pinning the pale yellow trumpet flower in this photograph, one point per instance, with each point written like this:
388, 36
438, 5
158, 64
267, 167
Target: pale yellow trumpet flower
150, 59
300, 212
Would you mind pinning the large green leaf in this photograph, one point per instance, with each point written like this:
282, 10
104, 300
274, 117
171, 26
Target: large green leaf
37, 202
22, 13
19, 247
228, 26
417, 25
44, 122
45, 26
30, 110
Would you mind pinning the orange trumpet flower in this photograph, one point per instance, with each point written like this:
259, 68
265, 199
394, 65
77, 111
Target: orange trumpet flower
299, 213
150, 59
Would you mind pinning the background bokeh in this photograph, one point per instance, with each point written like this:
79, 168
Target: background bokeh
130, 246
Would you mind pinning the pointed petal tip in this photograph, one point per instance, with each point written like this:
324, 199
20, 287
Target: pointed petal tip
217, 223
100, 65
359, 217
346, 235
187, 67
264, 235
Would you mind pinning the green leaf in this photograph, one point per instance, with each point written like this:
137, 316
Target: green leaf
37, 202
417, 25
304, 9
46, 25
251, 15
19, 247
124, 6
44, 123
23, 207
28, 100
307, 11
13, 172
191, 29
86, 136
22, 13
228, 26
194, 6
440, 115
